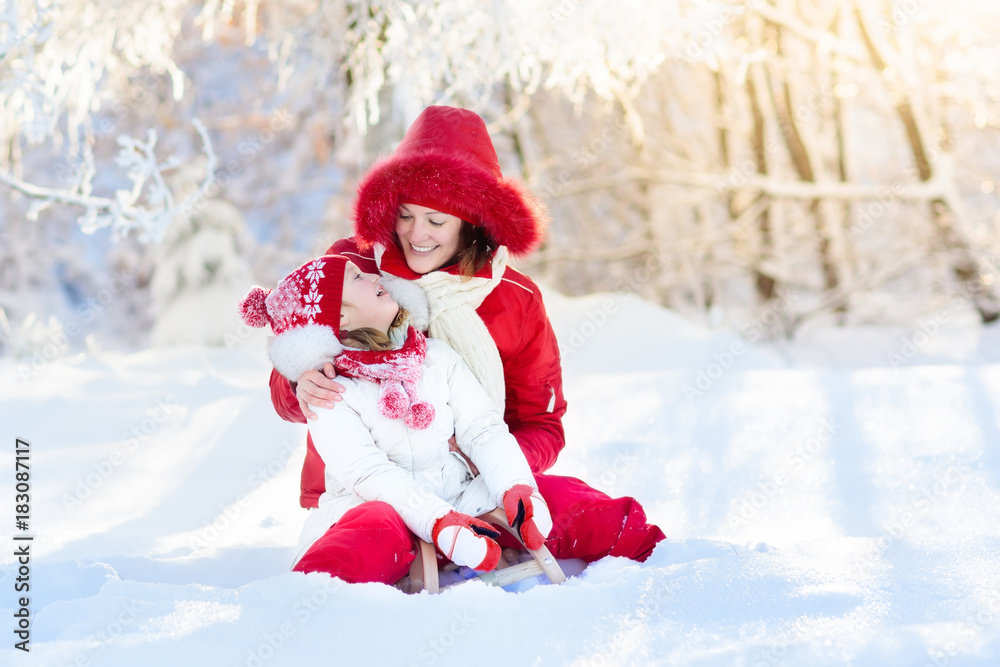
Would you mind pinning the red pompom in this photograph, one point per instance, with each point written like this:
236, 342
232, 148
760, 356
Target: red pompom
393, 401
420, 415
253, 310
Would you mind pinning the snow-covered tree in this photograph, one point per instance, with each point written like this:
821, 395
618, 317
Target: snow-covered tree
63, 69
717, 156
199, 271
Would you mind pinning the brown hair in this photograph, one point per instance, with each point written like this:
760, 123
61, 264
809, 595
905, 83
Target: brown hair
367, 338
475, 249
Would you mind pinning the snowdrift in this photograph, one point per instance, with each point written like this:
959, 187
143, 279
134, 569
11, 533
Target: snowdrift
830, 501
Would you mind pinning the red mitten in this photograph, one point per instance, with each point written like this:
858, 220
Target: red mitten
467, 541
528, 514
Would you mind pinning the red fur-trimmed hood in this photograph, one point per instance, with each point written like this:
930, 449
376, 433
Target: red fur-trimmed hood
447, 162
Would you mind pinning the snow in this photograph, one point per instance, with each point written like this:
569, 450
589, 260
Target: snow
829, 500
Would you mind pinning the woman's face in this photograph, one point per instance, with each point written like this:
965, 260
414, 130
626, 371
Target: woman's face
429, 238
364, 302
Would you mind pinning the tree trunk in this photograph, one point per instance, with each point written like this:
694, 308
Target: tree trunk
965, 268
850, 263
765, 284
803, 166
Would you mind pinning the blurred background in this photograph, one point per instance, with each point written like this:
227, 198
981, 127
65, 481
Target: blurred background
767, 165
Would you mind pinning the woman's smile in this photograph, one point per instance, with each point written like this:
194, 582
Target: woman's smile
429, 238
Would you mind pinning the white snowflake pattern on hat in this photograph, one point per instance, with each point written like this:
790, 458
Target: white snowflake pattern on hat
311, 300
315, 271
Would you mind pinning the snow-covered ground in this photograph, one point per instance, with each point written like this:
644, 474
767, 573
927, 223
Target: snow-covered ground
835, 501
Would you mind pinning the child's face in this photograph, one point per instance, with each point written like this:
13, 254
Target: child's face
364, 302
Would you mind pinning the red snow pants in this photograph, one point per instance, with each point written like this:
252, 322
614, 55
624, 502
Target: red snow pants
371, 542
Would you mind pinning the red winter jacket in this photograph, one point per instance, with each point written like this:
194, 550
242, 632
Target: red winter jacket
515, 316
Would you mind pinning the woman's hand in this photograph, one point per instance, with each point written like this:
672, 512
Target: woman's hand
318, 389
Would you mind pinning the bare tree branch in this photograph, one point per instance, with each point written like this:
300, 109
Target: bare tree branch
774, 187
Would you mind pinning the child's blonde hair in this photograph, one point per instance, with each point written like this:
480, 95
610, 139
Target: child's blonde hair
367, 338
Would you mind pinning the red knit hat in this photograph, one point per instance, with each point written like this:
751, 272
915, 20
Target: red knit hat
304, 313
447, 162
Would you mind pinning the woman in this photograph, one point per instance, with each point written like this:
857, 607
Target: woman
438, 221
386, 445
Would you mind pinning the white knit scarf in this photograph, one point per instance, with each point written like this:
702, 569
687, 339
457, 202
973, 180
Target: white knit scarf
451, 302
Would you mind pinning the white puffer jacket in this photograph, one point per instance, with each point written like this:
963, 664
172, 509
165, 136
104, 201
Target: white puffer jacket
371, 457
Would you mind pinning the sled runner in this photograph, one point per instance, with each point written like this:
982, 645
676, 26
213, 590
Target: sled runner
424, 574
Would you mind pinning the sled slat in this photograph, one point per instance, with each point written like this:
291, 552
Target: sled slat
546, 562
424, 570
429, 565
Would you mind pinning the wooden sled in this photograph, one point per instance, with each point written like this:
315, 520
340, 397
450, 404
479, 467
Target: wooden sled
424, 575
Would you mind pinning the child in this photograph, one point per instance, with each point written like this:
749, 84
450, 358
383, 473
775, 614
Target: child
389, 472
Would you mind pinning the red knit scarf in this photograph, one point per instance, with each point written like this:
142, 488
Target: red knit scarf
397, 372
